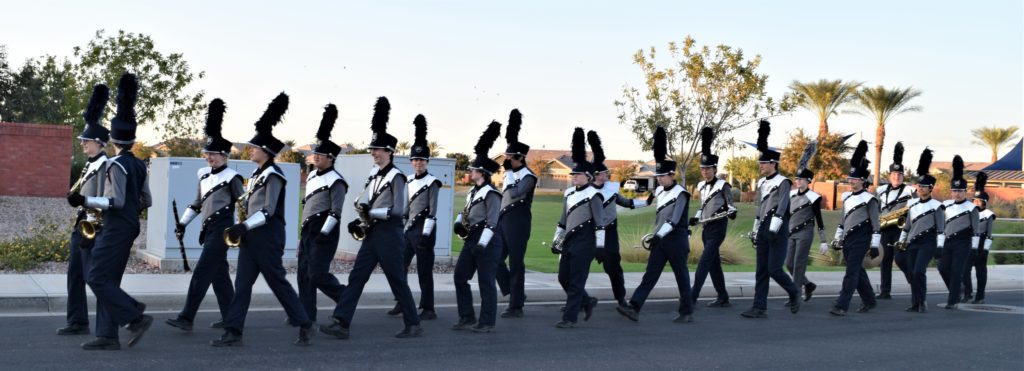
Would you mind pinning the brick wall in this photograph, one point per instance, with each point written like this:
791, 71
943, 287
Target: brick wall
35, 160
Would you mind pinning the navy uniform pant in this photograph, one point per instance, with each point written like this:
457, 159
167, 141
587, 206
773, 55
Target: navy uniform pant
574, 268
260, 253
613, 261
889, 255
384, 245
710, 263
424, 261
485, 266
211, 269
78, 305
953, 263
978, 259
771, 254
515, 227
855, 247
315, 269
107, 261
673, 249
919, 254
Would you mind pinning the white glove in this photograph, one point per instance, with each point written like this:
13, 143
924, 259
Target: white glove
485, 237
988, 243
559, 231
823, 248
974, 242
664, 230
776, 224
639, 202
940, 240
903, 236
599, 237
697, 215
839, 234
876, 241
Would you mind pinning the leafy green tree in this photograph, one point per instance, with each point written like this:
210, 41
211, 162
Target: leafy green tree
824, 97
745, 171
702, 87
829, 163
42, 91
881, 104
994, 137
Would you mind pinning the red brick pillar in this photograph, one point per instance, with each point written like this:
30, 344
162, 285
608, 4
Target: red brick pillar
35, 159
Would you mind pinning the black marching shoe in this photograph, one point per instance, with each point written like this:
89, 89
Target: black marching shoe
465, 323
102, 344
794, 307
754, 313
428, 314
719, 303
411, 331
180, 323
923, 308
950, 306
483, 329
808, 290
864, 308
884, 295
74, 329
337, 329
138, 328
565, 324
622, 302
628, 311
913, 308
512, 313
397, 310
976, 301
967, 298
217, 324
228, 339
683, 318
788, 303
838, 312
305, 336
588, 309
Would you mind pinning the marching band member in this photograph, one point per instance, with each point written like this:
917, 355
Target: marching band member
218, 189
478, 227
858, 234
922, 233
516, 201
669, 242
979, 256
805, 212
715, 199
893, 197
962, 234
771, 229
93, 139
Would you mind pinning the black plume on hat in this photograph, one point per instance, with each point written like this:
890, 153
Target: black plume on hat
859, 162
215, 142
924, 164
707, 138
420, 147
324, 145
897, 159
979, 186
122, 127
957, 182
767, 154
379, 126
664, 166
264, 137
94, 130
579, 153
515, 123
803, 171
598, 150
483, 145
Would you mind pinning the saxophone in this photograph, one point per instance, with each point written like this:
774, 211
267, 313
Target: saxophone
90, 226
896, 218
242, 212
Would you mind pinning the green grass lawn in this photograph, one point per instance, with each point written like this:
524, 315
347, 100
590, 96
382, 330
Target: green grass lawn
633, 224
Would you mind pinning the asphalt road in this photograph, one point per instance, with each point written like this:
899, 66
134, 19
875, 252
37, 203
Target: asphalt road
887, 338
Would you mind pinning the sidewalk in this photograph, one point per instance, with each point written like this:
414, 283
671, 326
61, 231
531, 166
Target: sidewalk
47, 293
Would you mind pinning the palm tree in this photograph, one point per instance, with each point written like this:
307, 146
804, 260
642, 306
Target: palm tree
435, 148
402, 147
881, 104
824, 98
994, 137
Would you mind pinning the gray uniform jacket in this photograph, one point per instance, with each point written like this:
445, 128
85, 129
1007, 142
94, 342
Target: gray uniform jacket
324, 200
423, 190
215, 196
961, 219
805, 212
517, 191
924, 220
582, 206
773, 197
610, 194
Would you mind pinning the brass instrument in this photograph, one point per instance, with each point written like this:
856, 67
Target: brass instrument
93, 221
242, 212
716, 216
558, 242
897, 218
836, 245
645, 242
363, 212
900, 245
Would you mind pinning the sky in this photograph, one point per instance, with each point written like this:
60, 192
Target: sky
563, 64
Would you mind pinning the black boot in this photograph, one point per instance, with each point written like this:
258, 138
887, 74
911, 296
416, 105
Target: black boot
483, 329
864, 308
397, 310
512, 313
565, 324
428, 314
217, 324
180, 323
74, 329
629, 311
913, 308
795, 300
808, 290
683, 318
465, 323
338, 328
884, 295
588, 309
411, 331
102, 344
719, 303
754, 313
838, 312
138, 328
305, 336
230, 338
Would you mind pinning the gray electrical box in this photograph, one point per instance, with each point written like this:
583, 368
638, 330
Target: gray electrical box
174, 178
356, 169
